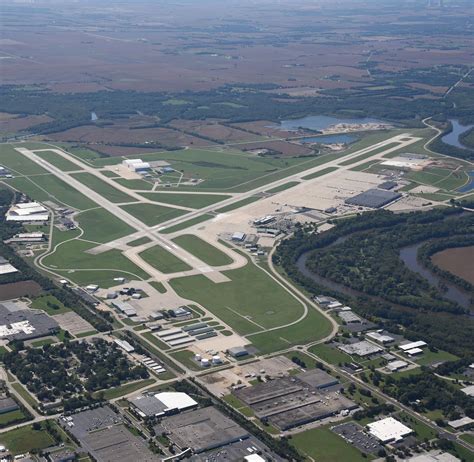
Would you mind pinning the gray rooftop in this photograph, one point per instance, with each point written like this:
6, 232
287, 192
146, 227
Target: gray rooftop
148, 405
373, 198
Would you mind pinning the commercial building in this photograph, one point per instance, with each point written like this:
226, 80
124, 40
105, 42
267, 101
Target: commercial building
412, 345
362, 348
26, 212
379, 337
201, 430
26, 238
237, 352
373, 198
389, 430
414, 352
124, 345
396, 365
124, 308
161, 404
6, 267
462, 423
434, 456
349, 317
137, 165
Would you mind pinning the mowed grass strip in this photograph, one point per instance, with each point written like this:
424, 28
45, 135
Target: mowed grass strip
203, 250
238, 204
102, 188
196, 201
369, 154
283, 187
250, 301
322, 172
164, 261
186, 224
58, 161
153, 214
323, 445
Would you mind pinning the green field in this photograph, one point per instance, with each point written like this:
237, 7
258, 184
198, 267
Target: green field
322, 445
422, 430
11, 417
163, 260
49, 187
58, 161
187, 224
430, 357
101, 187
442, 178
202, 250
153, 214
238, 204
195, 201
116, 392
17, 162
135, 184
250, 302
185, 357
25, 439
50, 304
102, 226
322, 172
366, 155
71, 258
329, 354
25, 394
138, 242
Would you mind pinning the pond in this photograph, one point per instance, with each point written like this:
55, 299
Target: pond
322, 122
452, 138
330, 139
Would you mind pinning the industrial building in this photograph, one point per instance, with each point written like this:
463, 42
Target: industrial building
389, 430
237, 352
201, 430
137, 165
7, 404
28, 211
436, 456
461, 424
410, 346
124, 345
349, 317
125, 308
25, 324
289, 402
362, 349
238, 236
26, 238
373, 198
380, 337
6, 267
162, 404
469, 390
395, 366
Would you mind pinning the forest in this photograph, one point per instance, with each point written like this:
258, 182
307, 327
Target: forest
389, 294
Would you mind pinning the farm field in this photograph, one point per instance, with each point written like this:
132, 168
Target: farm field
163, 260
457, 261
152, 214
202, 250
197, 201
103, 188
239, 302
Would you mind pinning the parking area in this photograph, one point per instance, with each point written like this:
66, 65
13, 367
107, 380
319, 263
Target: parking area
73, 323
355, 434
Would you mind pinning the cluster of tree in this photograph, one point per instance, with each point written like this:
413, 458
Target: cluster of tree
426, 392
456, 335
427, 250
299, 362
373, 411
68, 370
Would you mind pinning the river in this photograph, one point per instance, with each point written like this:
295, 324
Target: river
321, 122
452, 138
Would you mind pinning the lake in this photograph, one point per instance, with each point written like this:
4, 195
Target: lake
321, 122
330, 139
452, 138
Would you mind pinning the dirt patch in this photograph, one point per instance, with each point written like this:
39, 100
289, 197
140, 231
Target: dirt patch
458, 261
19, 289
15, 124
280, 148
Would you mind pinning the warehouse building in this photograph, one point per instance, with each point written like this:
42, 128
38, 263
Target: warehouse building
137, 165
412, 345
201, 430
389, 430
6, 267
237, 352
362, 349
380, 337
7, 404
460, 424
28, 211
349, 317
395, 366
373, 198
161, 404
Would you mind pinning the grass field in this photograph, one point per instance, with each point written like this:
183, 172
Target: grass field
187, 224
25, 439
240, 302
196, 201
322, 172
185, 357
330, 355
138, 242
153, 214
442, 178
322, 445
49, 187
18, 163
430, 357
125, 389
50, 304
163, 260
368, 154
135, 184
102, 226
202, 250
11, 417
238, 204
58, 161
422, 430
101, 187
101, 268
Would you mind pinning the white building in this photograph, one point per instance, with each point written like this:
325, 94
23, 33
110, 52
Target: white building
124, 345
461, 423
30, 211
396, 365
6, 267
412, 345
176, 401
389, 430
469, 391
137, 165
378, 337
